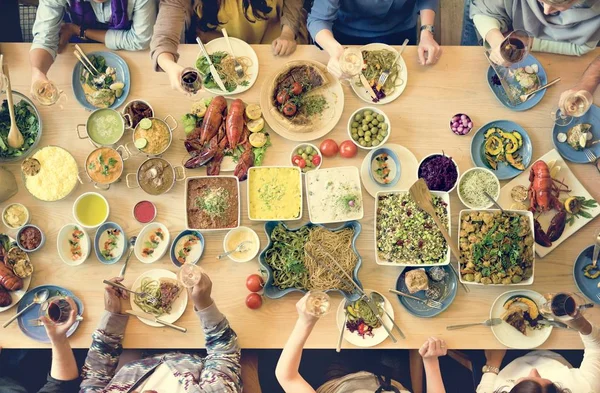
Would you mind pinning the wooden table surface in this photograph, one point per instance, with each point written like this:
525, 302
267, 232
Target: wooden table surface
420, 122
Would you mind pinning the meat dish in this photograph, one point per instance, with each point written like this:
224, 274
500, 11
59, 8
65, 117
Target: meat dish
212, 203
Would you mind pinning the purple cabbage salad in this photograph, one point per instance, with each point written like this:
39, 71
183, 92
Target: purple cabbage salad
439, 172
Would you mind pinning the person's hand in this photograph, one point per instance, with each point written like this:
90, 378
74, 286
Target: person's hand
67, 30
303, 315
173, 71
36, 76
565, 94
58, 333
433, 348
494, 357
429, 50
285, 44
201, 293
581, 324
333, 65
113, 296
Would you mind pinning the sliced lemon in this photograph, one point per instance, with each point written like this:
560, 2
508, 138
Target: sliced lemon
253, 111
518, 206
117, 86
118, 93
258, 139
551, 164
554, 171
140, 143
199, 108
583, 140
256, 125
146, 124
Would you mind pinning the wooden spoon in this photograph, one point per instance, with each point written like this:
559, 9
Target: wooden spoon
15, 138
422, 197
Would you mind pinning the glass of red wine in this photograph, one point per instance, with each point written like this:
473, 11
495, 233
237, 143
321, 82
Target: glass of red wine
191, 80
57, 309
564, 306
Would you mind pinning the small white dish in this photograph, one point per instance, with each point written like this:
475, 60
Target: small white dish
386, 120
460, 180
64, 246
5, 210
144, 239
235, 237
303, 146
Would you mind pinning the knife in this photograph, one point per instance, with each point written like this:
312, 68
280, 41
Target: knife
366, 85
152, 318
512, 100
213, 70
375, 311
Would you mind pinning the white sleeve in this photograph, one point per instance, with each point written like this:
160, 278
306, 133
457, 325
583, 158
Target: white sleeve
590, 367
487, 383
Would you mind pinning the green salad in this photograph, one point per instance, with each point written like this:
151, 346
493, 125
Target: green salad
224, 64
28, 124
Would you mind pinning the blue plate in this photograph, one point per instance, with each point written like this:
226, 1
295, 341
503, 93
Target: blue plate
38, 333
504, 170
112, 60
587, 286
272, 292
501, 94
419, 309
567, 152
182, 234
97, 246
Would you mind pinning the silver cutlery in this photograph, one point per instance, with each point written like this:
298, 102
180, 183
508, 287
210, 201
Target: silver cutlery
213, 70
132, 241
429, 302
488, 196
380, 301
590, 155
512, 100
239, 247
236, 64
488, 322
525, 97
78, 48
367, 87
556, 324
596, 250
386, 73
38, 298
142, 295
152, 318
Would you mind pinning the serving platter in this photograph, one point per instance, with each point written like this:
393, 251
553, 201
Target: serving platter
409, 164
577, 189
592, 116
16, 296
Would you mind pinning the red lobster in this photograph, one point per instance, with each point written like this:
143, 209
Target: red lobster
235, 123
246, 160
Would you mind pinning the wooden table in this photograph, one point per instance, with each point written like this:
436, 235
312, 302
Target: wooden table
420, 122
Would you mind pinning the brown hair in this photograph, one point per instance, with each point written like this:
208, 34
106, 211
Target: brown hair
209, 9
529, 386
560, 2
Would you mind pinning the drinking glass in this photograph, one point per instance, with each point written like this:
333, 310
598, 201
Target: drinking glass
318, 303
189, 274
576, 105
349, 65
516, 46
56, 309
191, 80
47, 93
564, 306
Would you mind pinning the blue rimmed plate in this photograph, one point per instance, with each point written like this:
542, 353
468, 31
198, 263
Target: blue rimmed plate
271, 291
112, 60
587, 286
448, 286
102, 237
500, 94
504, 171
195, 253
592, 117
38, 333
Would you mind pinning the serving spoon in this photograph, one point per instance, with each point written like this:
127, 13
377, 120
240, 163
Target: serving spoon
380, 302
38, 298
15, 138
238, 248
488, 196
132, 240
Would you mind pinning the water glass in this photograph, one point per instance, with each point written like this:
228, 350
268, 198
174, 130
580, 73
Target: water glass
190, 274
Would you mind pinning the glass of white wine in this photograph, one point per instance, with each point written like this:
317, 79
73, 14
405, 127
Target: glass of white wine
47, 93
576, 105
190, 274
318, 303
349, 65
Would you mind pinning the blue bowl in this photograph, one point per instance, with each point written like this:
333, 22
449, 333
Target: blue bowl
504, 170
420, 309
272, 292
394, 158
112, 60
182, 234
97, 246
500, 94
592, 117
587, 286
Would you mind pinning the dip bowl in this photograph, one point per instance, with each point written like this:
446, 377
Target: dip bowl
194, 254
63, 244
23, 229
152, 148
5, 213
94, 170
242, 234
156, 176
392, 160
114, 248
87, 206
429, 157
96, 127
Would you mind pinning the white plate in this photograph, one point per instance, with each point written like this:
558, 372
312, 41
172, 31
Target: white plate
511, 337
408, 167
348, 175
445, 197
17, 295
240, 48
401, 82
379, 334
179, 304
64, 248
526, 213
144, 236
577, 189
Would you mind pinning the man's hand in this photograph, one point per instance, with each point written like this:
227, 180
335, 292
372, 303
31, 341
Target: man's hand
201, 293
494, 357
58, 333
113, 296
67, 30
429, 50
285, 44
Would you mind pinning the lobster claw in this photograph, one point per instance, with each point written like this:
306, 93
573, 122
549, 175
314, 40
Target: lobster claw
541, 237
192, 145
245, 162
199, 159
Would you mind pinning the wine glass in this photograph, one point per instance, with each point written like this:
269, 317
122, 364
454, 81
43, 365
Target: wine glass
57, 310
318, 303
191, 80
516, 46
189, 274
349, 65
564, 306
47, 93
576, 105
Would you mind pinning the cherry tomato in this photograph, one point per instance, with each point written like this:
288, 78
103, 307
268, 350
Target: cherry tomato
289, 109
328, 148
296, 88
253, 301
348, 149
282, 97
316, 160
254, 283
301, 163
296, 159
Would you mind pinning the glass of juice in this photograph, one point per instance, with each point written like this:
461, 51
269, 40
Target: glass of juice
57, 309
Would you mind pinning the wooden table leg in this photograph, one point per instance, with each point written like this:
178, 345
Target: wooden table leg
249, 364
416, 371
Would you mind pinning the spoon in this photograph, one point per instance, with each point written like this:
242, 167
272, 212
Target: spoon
488, 322
15, 138
132, 240
380, 301
596, 250
238, 248
38, 298
338, 348
493, 201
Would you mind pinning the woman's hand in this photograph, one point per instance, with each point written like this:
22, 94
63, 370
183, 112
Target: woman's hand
67, 30
494, 357
285, 44
333, 65
201, 293
113, 296
303, 315
166, 61
433, 348
495, 38
36, 76
58, 333
429, 50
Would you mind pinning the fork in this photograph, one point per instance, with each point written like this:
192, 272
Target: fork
236, 64
143, 295
525, 97
429, 302
590, 155
386, 73
38, 322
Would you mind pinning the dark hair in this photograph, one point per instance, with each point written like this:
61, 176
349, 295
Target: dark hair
529, 386
209, 9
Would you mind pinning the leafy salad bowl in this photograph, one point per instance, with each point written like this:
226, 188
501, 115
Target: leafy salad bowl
26, 123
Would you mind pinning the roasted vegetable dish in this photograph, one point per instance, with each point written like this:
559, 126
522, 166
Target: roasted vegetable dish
496, 247
501, 146
522, 313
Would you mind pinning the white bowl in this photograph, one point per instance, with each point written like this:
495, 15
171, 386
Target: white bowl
254, 237
144, 236
379, 112
26, 212
63, 246
304, 145
455, 164
75, 210
460, 179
